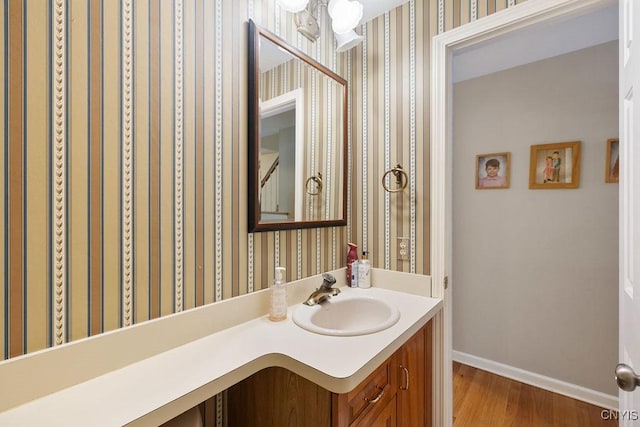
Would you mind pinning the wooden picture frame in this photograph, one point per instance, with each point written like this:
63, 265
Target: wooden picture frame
493, 171
554, 166
613, 157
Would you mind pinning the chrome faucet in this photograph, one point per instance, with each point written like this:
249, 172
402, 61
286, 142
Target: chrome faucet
324, 291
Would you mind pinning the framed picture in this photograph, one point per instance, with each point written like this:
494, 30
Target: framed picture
555, 165
613, 152
492, 171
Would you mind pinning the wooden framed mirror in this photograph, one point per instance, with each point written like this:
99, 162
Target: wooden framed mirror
297, 138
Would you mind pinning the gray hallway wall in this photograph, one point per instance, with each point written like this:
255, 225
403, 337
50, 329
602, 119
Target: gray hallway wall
535, 272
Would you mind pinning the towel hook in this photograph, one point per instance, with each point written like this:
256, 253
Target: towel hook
318, 181
401, 183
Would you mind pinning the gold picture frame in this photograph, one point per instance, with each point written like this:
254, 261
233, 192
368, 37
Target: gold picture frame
613, 157
493, 171
555, 166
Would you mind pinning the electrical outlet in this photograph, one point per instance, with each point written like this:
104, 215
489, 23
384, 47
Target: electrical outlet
403, 248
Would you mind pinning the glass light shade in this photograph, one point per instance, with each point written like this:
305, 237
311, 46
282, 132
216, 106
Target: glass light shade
345, 15
293, 5
348, 40
330, 5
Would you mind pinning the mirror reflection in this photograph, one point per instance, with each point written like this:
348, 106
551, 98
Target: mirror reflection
298, 175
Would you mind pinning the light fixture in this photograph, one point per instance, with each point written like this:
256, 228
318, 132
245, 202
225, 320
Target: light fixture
346, 41
307, 23
293, 6
345, 17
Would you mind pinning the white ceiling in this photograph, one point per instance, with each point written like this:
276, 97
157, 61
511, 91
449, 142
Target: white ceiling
540, 41
373, 8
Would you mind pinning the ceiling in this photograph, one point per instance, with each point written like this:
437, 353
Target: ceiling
540, 41
373, 8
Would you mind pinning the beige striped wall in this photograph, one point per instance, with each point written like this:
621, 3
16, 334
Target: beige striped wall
124, 162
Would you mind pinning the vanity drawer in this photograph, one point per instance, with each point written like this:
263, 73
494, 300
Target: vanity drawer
370, 395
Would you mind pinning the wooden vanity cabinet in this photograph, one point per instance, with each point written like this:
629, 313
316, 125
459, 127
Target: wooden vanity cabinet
398, 393
413, 362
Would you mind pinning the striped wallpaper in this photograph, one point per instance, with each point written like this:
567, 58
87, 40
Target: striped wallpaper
125, 150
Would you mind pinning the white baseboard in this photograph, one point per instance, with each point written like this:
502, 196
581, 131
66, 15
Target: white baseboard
547, 383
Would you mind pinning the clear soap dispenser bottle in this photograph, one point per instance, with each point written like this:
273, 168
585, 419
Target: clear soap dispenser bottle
278, 308
364, 271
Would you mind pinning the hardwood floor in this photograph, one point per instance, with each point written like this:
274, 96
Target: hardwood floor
483, 399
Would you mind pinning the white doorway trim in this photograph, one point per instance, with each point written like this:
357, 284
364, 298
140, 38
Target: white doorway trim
441, 119
293, 100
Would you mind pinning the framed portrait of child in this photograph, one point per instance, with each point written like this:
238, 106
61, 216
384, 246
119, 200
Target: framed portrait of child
555, 165
492, 171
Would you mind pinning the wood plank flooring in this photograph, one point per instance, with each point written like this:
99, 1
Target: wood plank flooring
483, 399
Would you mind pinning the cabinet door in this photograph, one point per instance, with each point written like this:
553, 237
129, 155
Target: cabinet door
414, 402
384, 418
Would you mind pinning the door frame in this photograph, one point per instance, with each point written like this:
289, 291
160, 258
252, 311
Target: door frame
279, 104
441, 119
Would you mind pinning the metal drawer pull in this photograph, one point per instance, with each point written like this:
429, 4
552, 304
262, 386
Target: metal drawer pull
377, 398
406, 378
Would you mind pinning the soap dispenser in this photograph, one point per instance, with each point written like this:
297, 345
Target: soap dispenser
278, 307
364, 270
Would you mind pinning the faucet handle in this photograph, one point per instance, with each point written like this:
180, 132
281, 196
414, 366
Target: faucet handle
329, 280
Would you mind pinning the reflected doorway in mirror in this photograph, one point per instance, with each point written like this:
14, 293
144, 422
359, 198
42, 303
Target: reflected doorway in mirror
281, 157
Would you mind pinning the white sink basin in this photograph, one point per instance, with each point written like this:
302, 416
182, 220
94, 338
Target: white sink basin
347, 315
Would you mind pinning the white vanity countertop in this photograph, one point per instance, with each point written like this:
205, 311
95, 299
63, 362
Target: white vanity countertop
156, 388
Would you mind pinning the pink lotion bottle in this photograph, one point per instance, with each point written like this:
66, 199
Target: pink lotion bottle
352, 256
